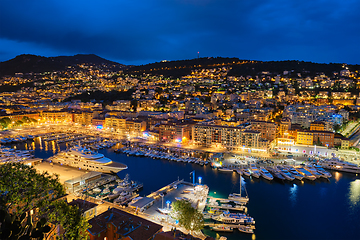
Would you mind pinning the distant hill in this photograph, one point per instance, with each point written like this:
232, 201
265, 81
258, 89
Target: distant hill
239, 67
26, 63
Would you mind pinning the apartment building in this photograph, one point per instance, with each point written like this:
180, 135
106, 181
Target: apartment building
267, 129
232, 138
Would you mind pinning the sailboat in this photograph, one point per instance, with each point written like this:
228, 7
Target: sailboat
237, 196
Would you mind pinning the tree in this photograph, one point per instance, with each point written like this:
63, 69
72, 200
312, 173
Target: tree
188, 217
23, 189
134, 105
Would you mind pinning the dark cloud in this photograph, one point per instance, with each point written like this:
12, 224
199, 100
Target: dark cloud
142, 31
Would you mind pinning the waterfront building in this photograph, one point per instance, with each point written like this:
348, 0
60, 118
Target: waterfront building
115, 123
135, 127
304, 137
323, 138
56, 116
232, 138
117, 224
284, 126
175, 132
267, 129
83, 117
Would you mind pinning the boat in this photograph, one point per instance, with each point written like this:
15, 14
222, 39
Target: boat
254, 171
313, 170
234, 218
338, 165
285, 173
222, 228
237, 196
245, 229
224, 169
265, 174
276, 173
84, 158
295, 173
246, 172
307, 175
322, 171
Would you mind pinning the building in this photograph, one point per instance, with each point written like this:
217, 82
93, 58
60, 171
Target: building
267, 129
87, 209
304, 137
115, 123
232, 138
116, 224
317, 126
175, 132
323, 138
135, 127
284, 126
56, 116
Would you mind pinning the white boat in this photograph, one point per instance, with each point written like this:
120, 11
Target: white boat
285, 173
236, 197
312, 170
224, 169
234, 218
338, 165
222, 228
246, 172
307, 175
265, 174
245, 229
323, 172
295, 173
254, 171
84, 158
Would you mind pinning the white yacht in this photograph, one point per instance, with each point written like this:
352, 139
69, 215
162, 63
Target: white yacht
338, 165
86, 159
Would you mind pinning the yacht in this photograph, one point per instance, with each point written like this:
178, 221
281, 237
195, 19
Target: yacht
84, 158
307, 175
234, 218
265, 174
323, 173
254, 171
338, 165
295, 173
276, 173
285, 173
222, 228
245, 229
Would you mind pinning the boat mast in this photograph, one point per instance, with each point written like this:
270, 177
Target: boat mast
240, 183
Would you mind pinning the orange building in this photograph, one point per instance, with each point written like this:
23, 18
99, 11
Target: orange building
324, 138
317, 126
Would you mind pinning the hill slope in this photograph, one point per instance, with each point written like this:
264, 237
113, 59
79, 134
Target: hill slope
31, 63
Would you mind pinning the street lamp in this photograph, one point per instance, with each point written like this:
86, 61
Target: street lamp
168, 202
200, 178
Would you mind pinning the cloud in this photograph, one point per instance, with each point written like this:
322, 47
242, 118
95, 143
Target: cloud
142, 31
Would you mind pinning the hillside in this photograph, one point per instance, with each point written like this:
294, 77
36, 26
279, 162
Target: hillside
239, 67
31, 63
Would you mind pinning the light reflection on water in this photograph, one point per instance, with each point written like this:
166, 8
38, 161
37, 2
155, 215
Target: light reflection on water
354, 192
293, 194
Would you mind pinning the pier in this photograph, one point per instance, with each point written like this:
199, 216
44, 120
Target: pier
156, 194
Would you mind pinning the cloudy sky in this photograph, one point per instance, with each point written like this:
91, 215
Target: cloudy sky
143, 31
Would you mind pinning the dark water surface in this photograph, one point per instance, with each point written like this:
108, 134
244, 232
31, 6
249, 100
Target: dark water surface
323, 209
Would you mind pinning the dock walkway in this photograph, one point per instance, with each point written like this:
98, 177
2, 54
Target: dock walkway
156, 194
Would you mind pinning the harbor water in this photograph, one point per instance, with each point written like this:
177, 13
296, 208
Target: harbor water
322, 209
